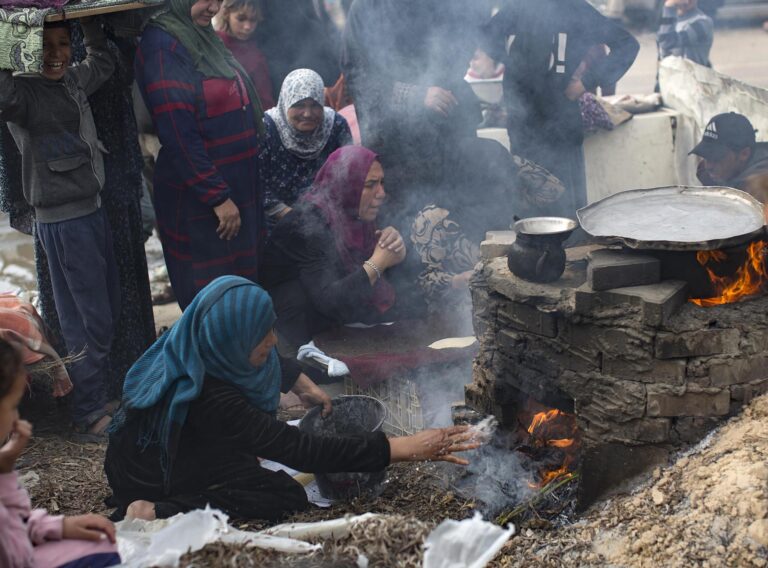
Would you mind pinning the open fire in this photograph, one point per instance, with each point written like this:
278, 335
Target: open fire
553, 441
751, 277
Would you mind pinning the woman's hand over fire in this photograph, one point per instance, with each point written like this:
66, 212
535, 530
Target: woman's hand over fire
439, 444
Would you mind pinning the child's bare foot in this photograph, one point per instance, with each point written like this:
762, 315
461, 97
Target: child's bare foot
144, 510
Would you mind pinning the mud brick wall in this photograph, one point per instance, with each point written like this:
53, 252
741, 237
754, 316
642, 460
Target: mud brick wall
644, 370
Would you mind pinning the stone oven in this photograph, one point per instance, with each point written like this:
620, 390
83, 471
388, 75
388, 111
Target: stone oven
643, 370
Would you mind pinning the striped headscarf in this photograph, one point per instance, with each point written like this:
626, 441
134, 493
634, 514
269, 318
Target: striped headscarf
214, 336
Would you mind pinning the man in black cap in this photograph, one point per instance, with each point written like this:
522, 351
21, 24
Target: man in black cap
731, 156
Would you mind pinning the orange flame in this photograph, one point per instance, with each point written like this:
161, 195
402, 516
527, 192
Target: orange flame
548, 428
549, 476
751, 277
541, 418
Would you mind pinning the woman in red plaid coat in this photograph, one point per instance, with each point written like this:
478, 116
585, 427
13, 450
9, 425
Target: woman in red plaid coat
208, 199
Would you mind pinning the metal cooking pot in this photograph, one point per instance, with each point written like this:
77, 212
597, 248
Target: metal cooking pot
545, 226
537, 254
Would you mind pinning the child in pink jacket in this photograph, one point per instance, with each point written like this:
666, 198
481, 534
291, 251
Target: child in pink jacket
32, 538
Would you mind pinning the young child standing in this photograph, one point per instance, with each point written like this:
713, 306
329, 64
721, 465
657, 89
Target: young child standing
236, 25
51, 122
32, 538
685, 31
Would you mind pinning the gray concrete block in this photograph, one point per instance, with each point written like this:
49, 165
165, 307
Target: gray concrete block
731, 372
528, 318
608, 269
610, 402
671, 372
674, 402
745, 393
643, 430
697, 343
496, 244
612, 466
659, 301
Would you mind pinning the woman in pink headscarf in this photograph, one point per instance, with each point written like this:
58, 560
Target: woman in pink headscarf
326, 262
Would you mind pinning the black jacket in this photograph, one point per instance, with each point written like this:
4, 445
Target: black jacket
542, 43
311, 288
756, 166
221, 440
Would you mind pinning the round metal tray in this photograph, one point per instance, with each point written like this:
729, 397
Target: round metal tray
675, 218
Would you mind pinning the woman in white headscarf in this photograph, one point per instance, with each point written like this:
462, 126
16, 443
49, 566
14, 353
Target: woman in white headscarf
301, 134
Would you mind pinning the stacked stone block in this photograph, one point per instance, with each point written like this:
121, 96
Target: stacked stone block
640, 366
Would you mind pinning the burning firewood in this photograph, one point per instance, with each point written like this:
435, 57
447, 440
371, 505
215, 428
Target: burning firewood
532, 503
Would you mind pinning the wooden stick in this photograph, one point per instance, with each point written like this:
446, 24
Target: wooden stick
73, 12
504, 518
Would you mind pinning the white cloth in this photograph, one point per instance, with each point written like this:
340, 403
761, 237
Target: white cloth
310, 352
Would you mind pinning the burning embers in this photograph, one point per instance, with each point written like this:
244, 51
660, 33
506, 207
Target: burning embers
750, 279
552, 441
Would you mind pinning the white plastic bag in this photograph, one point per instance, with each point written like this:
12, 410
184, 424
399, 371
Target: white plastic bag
142, 544
470, 543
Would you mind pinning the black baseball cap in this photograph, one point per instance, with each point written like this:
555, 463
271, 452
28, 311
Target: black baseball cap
727, 131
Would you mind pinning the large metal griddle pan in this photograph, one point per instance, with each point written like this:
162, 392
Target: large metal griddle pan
675, 218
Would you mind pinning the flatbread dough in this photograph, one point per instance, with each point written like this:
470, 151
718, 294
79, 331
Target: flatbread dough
454, 343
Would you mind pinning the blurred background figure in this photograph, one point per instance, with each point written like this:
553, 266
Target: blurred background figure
544, 46
299, 34
404, 63
685, 31
237, 24
208, 117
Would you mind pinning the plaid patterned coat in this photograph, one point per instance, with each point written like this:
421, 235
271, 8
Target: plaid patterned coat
209, 154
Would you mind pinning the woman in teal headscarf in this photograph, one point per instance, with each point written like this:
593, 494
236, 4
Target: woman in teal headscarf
198, 411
